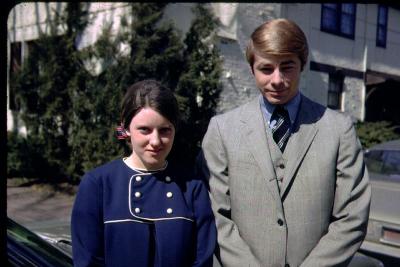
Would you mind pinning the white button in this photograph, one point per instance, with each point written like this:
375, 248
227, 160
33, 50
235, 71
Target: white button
169, 194
138, 178
168, 179
137, 210
138, 194
169, 210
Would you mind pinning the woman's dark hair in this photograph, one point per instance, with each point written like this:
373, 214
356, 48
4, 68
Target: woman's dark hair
152, 94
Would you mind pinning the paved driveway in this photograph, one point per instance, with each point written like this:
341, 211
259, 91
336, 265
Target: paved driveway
40, 208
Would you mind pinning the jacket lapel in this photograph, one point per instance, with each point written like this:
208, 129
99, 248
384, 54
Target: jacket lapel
300, 140
254, 129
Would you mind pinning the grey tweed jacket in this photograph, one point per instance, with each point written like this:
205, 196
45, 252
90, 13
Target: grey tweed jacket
319, 215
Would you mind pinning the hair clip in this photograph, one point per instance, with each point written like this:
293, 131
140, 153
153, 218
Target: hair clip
121, 132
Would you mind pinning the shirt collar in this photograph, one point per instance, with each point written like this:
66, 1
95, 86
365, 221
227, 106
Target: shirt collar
292, 107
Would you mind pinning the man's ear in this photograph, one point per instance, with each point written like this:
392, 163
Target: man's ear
127, 132
252, 69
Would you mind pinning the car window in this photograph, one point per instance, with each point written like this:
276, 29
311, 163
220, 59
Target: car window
385, 162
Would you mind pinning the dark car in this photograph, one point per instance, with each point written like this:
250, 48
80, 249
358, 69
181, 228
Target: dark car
383, 236
25, 248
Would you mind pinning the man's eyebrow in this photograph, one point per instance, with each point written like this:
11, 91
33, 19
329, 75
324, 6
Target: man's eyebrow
288, 62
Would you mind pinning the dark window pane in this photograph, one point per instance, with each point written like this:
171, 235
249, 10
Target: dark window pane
330, 6
339, 19
333, 100
329, 21
382, 15
347, 25
381, 30
348, 9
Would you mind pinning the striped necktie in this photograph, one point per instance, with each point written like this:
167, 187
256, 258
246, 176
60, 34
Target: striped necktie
281, 128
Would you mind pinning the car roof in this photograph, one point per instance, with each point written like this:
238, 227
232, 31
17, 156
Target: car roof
390, 145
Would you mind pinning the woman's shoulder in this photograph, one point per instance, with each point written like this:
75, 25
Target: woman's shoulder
186, 176
106, 169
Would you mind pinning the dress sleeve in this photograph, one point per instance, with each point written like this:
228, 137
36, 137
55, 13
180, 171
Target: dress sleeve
206, 233
87, 224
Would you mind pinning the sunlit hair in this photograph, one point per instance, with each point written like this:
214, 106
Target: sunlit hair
151, 94
279, 37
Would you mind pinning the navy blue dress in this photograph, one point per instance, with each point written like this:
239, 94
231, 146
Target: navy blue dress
123, 217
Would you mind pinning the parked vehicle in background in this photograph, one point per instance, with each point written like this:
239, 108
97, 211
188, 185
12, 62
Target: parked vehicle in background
25, 248
383, 236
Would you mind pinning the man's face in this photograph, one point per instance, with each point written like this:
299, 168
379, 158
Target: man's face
277, 77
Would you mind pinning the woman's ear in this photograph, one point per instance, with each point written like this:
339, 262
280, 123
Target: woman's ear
122, 133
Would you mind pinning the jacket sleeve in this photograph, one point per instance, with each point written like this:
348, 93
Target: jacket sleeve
206, 232
213, 164
87, 225
351, 205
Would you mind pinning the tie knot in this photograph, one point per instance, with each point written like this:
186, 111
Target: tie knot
280, 109
281, 126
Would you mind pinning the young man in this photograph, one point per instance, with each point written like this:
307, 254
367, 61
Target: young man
287, 178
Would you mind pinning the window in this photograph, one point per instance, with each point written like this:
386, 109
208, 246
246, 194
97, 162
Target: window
381, 28
384, 162
335, 90
339, 19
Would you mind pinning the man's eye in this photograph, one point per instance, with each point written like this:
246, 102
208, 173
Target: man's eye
266, 70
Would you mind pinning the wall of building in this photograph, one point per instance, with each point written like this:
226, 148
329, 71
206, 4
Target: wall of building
26, 20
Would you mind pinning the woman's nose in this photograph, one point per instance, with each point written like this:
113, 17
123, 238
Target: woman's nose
155, 139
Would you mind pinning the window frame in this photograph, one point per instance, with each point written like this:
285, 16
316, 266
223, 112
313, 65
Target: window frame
338, 12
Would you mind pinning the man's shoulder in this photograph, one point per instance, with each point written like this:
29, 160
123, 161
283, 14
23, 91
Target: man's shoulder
237, 112
325, 112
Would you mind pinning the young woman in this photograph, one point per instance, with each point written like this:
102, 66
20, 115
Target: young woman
139, 211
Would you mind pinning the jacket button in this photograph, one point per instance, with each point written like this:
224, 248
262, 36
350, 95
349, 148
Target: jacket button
280, 222
137, 210
287, 265
169, 194
169, 210
281, 165
138, 194
138, 178
168, 179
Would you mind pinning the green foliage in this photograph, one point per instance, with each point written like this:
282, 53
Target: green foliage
372, 133
24, 157
71, 110
199, 86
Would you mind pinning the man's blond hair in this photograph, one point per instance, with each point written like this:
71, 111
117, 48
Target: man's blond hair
278, 37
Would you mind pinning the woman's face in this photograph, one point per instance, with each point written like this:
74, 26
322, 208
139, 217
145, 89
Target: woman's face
152, 136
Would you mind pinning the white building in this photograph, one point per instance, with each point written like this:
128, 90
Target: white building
354, 60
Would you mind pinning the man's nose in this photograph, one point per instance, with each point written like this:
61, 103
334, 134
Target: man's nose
277, 77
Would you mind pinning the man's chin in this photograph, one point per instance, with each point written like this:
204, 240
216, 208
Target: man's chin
276, 100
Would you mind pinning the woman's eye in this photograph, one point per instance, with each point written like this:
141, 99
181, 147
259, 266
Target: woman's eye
144, 130
165, 130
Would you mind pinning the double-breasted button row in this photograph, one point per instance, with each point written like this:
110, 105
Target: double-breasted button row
138, 194
169, 210
139, 179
